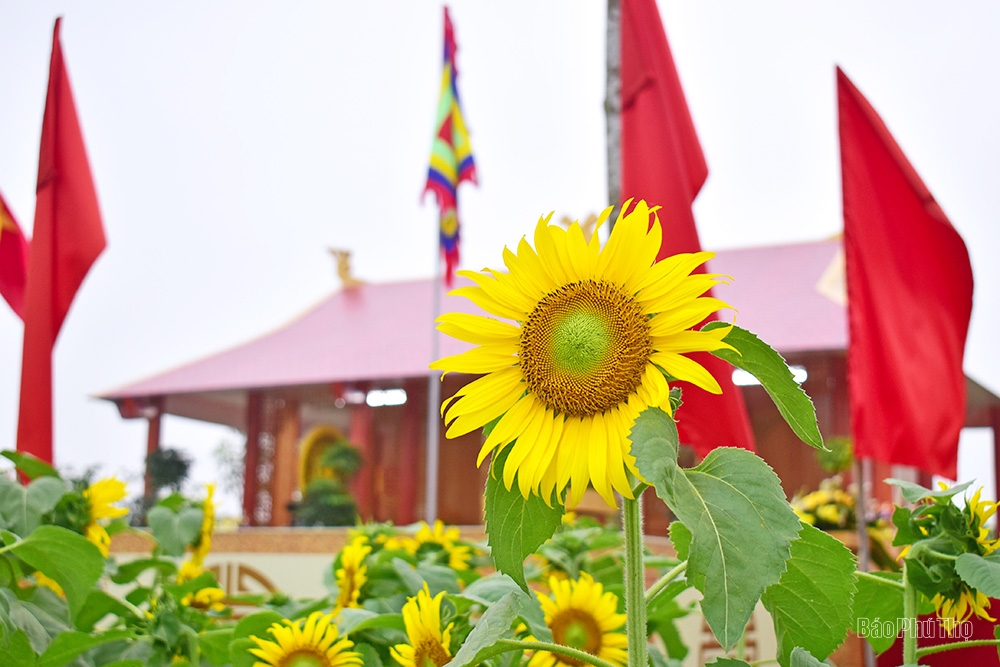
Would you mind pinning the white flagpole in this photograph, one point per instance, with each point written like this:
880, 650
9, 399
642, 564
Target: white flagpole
433, 406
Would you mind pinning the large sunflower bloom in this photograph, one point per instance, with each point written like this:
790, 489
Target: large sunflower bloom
594, 331
352, 574
979, 512
310, 642
428, 643
582, 616
100, 497
958, 608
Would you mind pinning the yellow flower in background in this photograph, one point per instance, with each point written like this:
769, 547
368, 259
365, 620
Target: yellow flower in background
49, 583
458, 554
207, 599
429, 645
203, 544
100, 497
311, 642
594, 329
352, 574
582, 616
979, 512
954, 610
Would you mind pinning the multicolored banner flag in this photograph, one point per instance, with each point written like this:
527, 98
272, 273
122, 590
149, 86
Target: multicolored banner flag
451, 154
13, 260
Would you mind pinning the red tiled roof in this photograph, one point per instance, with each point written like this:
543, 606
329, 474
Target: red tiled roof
383, 331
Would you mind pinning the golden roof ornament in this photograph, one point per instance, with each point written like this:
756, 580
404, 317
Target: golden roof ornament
343, 259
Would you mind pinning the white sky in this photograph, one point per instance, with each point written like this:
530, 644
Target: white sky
233, 142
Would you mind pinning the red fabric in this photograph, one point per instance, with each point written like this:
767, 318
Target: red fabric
68, 237
662, 162
909, 287
13, 260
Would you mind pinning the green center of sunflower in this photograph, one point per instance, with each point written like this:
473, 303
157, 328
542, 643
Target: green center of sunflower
306, 658
584, 347
577, 629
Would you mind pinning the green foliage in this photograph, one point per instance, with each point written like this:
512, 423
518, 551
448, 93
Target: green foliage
879, 597
764, 363
174, 530
811, 603
516, 526
168, 468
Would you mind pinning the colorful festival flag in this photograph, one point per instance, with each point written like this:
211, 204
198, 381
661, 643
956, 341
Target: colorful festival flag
67, 238
13, 260
662, 162
909, 300
451, 154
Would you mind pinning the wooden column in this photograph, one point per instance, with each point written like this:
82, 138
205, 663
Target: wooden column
152, 443
286, 461
252, 458
361, 437
409, 461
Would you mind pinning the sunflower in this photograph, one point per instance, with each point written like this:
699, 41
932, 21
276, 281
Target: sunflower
207, 599
428, 644
100, 497
979, 512
595, 333
446, 539
582, 616
194, 566
958, 606
352, 574
310, 642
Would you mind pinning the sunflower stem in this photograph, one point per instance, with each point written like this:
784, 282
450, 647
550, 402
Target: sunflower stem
910, 620
665, 580
928, 650
582, 656
635, 584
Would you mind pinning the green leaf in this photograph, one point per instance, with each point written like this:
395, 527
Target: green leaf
23, 506
189, 522
534, 617
811, 603
32, 466
803, 658
915, 493
495, 624
257, 624
680, 537
979, 573
16, 650
99, 604
214, 645
491, 588
68, 558
878, 606
371, 622
369, 656
165, 526
728, 662
764, 363
654, 446
66, 646
742, 528
516, 526
130, 571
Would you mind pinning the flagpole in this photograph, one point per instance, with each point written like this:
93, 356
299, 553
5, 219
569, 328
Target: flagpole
433, 406
863, 482
613, 107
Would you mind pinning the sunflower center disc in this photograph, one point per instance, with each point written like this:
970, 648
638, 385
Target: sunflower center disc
584, 348
578, 629
306, 659
430, 653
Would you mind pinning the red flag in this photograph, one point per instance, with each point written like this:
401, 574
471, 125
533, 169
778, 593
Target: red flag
909, 295
662, 162
13, 260
68, 236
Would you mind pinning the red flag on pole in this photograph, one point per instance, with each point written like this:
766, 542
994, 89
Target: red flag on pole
13, 260
68, 237
662, 162
909, 295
